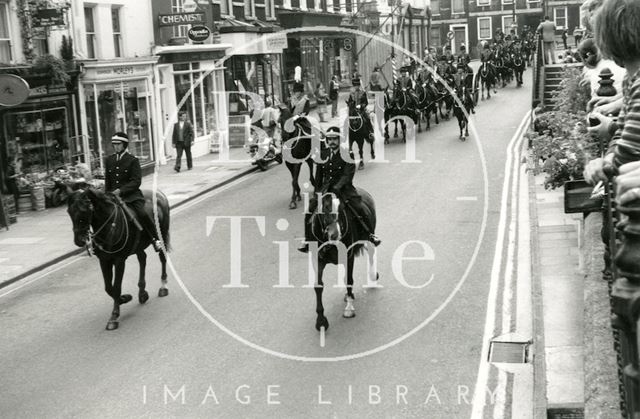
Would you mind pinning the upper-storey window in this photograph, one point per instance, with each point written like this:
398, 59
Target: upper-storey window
117, 31
90, 30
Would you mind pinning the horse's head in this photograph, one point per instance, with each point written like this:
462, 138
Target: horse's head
81, 206
328, 218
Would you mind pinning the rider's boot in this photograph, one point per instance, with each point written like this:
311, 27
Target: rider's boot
304, 248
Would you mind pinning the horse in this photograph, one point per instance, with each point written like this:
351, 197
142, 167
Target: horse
519, 64
487, 79
462, 93
331, 223
101, 223
428, 97
301, 148
401, 103
359, 131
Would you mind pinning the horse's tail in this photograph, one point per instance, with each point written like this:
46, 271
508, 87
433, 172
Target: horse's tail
165, 220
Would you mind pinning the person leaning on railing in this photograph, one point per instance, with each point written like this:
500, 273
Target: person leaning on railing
617, 37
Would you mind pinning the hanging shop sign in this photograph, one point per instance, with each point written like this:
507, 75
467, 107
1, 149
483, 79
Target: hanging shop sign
177, 19
13, 90
48, 17
199, 33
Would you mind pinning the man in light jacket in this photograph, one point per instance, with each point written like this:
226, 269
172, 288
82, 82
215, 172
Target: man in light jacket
547, 30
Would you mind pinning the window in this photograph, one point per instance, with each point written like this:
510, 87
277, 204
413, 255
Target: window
484, 28
249, 8
117, 32
40, 43
484, 2
200, 103
457, 6
5, 37
507, 1
507, 21
90, 31
560, 17
179, 31
435, 7
435, 37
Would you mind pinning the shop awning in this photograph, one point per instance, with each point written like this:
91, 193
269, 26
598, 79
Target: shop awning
231, 25
191, 52
298, 19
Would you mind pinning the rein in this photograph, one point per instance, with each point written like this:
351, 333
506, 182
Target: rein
93, 236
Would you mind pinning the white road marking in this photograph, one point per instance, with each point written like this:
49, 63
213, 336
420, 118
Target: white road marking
24, 283
322, 337
467, 198
483, 369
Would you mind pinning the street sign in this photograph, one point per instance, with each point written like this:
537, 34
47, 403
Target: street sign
177, 19
199, 33
13, 90
48, 17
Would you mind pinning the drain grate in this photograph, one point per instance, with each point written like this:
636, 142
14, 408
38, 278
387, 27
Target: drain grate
508, 352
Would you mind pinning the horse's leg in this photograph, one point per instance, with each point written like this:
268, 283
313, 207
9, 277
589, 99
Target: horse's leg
107, 276
294, 169
163, 291
395, 133
143, 296
404, 131
466, 127
360, 143
312, 178
386, 131
349, 310
321, 320
118, 299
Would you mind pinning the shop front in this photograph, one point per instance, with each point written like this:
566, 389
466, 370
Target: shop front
40, 135
118, 96
191, 79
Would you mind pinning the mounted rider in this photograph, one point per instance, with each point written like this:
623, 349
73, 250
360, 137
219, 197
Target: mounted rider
299, 106
406, 84
375, 80
358, 100
336, 176
465, 59
462, 85
487, 56
123, 178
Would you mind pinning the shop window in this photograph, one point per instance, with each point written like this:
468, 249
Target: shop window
117, 32
123, 106
90, 31
199, 102
38, 139
5, 35
484, 28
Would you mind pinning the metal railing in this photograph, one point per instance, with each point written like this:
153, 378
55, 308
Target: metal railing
537, 92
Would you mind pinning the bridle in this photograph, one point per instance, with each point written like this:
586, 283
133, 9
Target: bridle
91, 238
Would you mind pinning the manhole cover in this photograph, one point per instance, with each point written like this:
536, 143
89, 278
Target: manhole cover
508, 352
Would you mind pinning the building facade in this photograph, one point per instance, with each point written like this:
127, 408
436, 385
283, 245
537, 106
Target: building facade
41, 134
472, 22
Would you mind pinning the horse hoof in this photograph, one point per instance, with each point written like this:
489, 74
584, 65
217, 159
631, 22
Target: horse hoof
349, 314
125, 298
143, 297
163, 292
377, 276
347, 295
112, 325
293, 205
322, 322
361, 165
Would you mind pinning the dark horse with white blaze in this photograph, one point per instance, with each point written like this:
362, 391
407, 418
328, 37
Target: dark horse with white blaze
333, 225
360, 131
101, 222
297, 138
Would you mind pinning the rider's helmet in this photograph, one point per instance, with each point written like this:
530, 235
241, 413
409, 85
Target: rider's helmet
332, 132
463, 48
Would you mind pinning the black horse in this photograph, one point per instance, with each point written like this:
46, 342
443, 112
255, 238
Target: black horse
360, 131
464, 96
400, 103
299, 133
519, 64
487, 79
428, 98
101, 223
331, 226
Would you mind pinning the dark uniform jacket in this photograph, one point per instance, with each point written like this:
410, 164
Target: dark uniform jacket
124, 174
336, 175
358, 97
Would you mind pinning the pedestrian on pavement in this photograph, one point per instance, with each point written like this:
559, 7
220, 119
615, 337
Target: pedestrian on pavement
321, 98
548, 31
336, 176
564, 38
334, 89
183, 140
270, 117
617, 37
577, 36
375, 80
123, 178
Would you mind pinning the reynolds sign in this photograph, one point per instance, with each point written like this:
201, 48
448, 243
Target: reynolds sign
177, 19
